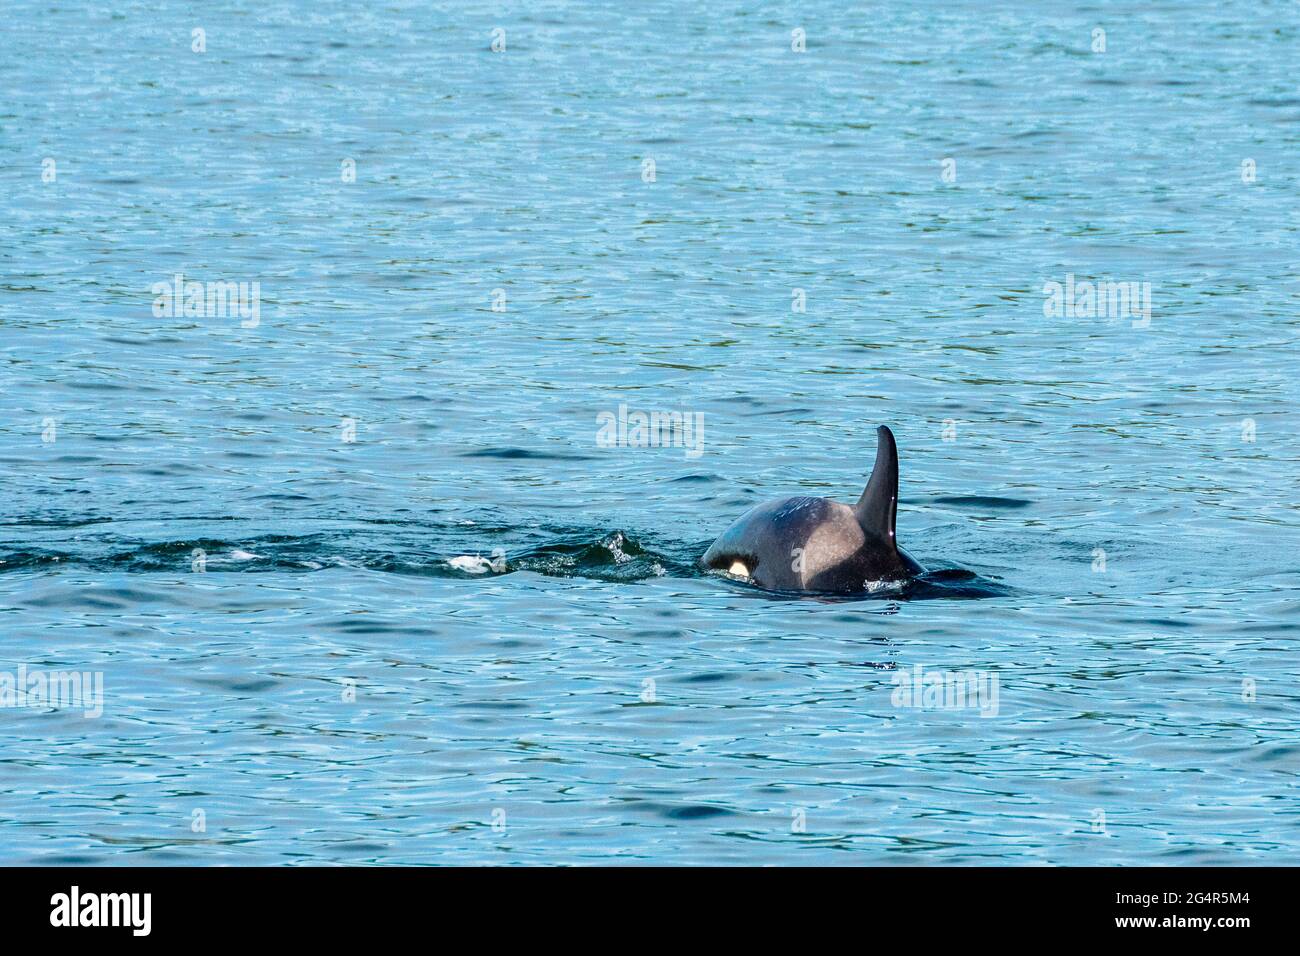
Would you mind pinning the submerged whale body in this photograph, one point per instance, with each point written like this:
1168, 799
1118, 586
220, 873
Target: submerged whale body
816, 544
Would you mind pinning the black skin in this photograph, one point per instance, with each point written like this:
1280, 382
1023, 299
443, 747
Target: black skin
816, 544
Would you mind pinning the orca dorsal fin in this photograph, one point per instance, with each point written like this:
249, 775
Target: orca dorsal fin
877, 509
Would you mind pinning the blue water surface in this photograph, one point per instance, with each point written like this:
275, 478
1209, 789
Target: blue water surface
249, 527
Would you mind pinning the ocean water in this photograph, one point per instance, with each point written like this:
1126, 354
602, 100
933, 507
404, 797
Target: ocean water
360, 581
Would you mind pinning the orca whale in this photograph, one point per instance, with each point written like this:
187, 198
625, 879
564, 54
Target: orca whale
816, 544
